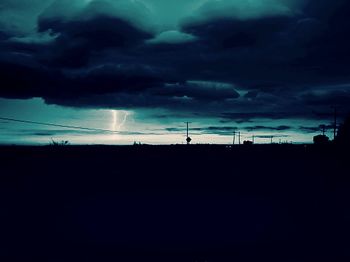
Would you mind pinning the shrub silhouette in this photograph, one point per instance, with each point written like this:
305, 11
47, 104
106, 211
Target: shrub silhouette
59, 143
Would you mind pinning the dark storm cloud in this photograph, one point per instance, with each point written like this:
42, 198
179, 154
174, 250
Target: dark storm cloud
77, 40
281, 51
241, 117
26, 82
238, 68
315, 129
268, 128
337, 97
328, 52
271, 136
22, 81
178, 129
210, 130
235, 33
251, 94
4, 36
228, 130
200, 90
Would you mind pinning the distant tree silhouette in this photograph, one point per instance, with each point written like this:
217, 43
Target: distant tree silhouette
343, 136
59, 143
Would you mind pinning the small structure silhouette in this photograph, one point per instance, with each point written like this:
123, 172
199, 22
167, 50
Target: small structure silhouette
321, 140
247, 143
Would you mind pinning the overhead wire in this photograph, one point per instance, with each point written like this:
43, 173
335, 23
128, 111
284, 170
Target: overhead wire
58, 125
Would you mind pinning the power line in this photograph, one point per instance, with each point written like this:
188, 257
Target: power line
57, 125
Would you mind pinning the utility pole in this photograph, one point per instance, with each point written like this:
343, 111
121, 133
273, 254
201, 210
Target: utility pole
187, 129
253, 139
239, 137
188, 139
271, 139
335, 123
234, 137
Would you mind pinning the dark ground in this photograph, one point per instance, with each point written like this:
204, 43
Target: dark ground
174, 203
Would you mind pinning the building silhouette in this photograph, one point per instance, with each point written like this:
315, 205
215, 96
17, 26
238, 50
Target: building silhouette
321, 140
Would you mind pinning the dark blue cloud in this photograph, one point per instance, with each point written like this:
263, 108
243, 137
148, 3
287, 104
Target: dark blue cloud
269, 66
78, 39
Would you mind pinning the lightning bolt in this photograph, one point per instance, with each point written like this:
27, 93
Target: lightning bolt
118, 122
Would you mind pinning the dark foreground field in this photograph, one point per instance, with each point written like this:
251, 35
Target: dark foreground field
198, 203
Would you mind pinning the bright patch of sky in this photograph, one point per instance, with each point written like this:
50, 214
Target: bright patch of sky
129, 126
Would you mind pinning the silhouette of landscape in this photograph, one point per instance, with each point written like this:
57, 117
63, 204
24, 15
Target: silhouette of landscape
277, 202
174, 130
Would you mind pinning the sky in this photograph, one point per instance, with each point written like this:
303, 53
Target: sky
142, 68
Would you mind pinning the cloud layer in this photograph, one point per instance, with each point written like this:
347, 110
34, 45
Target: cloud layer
234, 60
